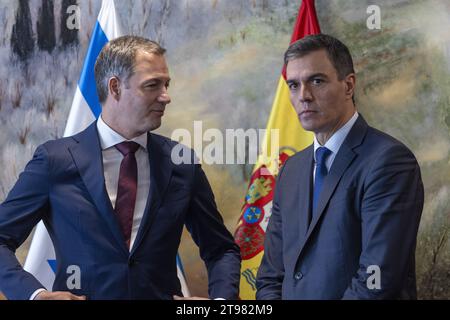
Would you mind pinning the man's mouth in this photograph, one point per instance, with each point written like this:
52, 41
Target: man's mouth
158, 111
307, 112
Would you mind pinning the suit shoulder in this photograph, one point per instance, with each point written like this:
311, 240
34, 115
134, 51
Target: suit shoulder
300, 156
55, 145
297, 160
380, 142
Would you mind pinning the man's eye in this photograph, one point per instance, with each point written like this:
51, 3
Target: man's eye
317, 81
293, 86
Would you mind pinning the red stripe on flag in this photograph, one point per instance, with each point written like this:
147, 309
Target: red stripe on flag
306, 24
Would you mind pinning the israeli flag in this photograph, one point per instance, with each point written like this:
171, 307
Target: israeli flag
85, 109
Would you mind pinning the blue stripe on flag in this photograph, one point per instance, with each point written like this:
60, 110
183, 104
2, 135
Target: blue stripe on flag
87, 79
52, 264
180, 265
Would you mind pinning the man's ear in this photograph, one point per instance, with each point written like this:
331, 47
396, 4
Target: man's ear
114, 88
350, 81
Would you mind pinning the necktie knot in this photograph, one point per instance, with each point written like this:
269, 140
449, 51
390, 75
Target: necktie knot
321, 172
321, 156
127, 147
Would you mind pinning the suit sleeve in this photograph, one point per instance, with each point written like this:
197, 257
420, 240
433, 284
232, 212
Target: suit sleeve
24, 206
217, 247
271, 271
391, 207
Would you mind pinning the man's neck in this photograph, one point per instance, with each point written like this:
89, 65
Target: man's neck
323, 137
117, 127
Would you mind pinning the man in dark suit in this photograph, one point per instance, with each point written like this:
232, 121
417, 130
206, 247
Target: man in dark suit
112, 199
346, 210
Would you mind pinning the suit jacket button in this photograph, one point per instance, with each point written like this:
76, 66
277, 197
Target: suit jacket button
298, 275
131, 262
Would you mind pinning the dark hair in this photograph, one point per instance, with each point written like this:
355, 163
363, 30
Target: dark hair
337, 52
117, 59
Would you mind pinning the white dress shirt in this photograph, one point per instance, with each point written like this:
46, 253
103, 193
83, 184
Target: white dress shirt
111, 167
334, 143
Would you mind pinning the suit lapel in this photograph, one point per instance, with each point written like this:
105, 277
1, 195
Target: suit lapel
88, 158
340, 165
160, 173
342, 161
305, 179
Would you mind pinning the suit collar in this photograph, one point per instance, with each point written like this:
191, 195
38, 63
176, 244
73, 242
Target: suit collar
87, 156
161, 168
357, 133
337, 139
344, 158
109, 137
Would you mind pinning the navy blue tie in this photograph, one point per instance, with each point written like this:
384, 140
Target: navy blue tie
321, 172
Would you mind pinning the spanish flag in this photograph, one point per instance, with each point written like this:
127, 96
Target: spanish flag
257, 207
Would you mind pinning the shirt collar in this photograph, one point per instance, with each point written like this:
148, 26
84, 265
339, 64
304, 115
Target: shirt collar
336, 140
109, 137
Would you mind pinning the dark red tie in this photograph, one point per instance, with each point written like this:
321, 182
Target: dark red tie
127, 187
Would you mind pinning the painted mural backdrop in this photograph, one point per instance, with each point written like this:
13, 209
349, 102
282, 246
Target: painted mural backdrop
225, 58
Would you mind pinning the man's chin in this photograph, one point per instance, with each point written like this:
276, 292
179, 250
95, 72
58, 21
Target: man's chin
154, 125
308, 125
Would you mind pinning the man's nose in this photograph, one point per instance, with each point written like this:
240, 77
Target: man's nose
164, 96
304, 94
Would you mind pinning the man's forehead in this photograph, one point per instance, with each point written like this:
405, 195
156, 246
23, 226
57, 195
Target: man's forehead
150, 62
311, 63
146, 56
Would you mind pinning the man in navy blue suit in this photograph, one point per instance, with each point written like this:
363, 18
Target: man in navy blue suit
346, 209
113, 201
